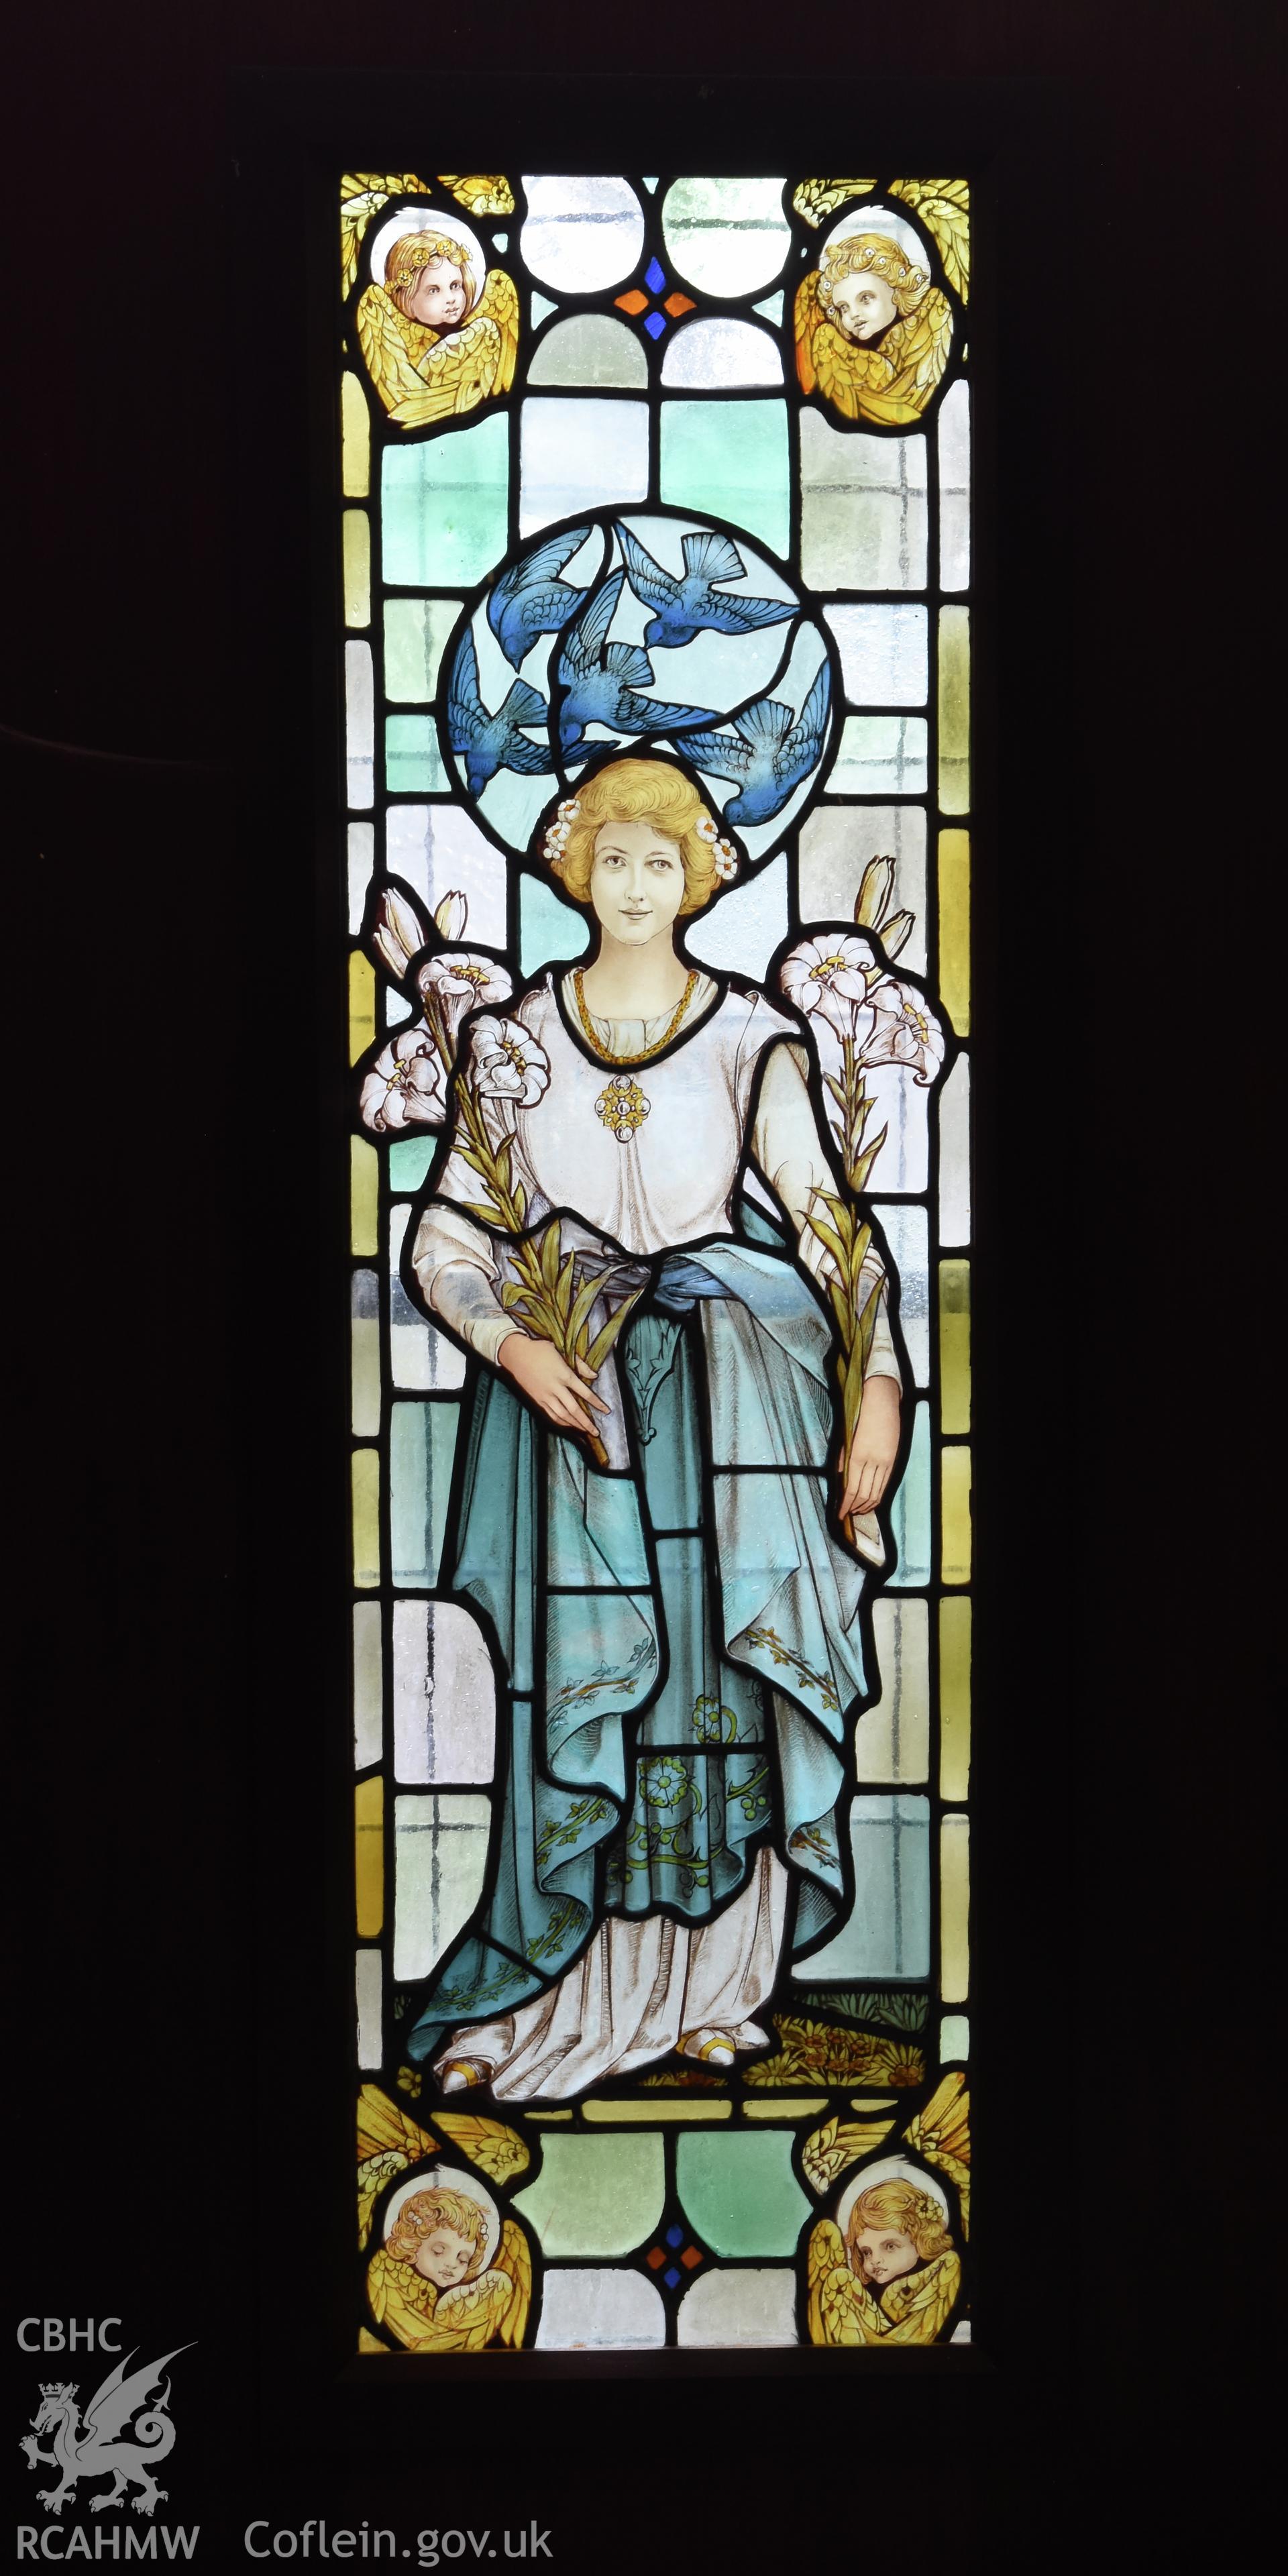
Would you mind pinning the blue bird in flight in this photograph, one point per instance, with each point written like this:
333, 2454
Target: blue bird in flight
603, 681
486, 742
768, 753
529, 600
684, 607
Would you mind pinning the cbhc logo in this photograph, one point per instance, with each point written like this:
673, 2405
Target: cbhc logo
68, 2334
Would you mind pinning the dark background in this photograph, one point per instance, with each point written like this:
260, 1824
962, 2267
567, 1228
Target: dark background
176, 2122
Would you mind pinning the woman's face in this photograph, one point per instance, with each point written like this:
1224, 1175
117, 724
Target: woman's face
443, 2257
863, 304
438, 297
882, 2254
636, 882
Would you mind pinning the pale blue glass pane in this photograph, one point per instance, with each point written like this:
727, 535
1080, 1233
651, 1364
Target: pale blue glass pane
419, 1355
412, 760
409, 1161
881, 756
740, 932
772, 308
885, 654
910, 1512
906, 1231
740, 2194
440, 850
954, 2039
422, 1442
888, 1933
359, 721
577, 456
729, 459
954, 1155
863, 509
443, 518
549, 926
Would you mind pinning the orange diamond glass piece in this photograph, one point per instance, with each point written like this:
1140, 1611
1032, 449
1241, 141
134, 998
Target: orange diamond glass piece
678, 304
632, 303
690, 2256
655, 2257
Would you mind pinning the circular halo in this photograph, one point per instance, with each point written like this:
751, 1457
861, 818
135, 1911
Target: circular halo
878, 219
438, 2177
412, 220
890, 2169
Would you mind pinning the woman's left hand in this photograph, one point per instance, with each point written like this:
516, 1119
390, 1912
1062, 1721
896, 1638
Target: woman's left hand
873, 1449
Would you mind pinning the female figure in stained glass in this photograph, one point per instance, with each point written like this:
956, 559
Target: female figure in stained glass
653, 1498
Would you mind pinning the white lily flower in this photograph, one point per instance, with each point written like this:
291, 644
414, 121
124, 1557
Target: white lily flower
404, 1087
828, 977
904, 1030
397, 932
457, 981
451, 916
507, 1063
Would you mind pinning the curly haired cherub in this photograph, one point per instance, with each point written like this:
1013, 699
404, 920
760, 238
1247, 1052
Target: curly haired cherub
894, 2275
872, 333
430, 2282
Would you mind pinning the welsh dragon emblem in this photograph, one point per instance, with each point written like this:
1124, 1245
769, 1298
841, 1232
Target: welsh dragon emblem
93, 2449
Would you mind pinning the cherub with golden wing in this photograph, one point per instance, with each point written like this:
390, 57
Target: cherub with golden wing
437, 339
872, 333
885, 2270
430, 2283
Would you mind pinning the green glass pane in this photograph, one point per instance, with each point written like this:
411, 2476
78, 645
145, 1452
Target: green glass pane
954, 2039
443, 515
409, 1161
740, 2194
416, 631
422, 1442
881, 756
729, 459
412, 759
596, 2195
888, 1931
910, 1513
548, 927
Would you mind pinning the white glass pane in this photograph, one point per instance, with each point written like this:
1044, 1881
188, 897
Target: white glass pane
745, 2305
835, 847
881, 755
364, 1330
589, 2310
954, 1155
362, 859
440, 1851
885, 654
368, 1691
863, 509
717, 350
360, 723
906, 1230
416, 632
590, 349
954, 2038
726, 235
742, 930
367, 1994
579, 456
444, 1697
954, 488
420, 1357
581, 233
892, 1739
440, 850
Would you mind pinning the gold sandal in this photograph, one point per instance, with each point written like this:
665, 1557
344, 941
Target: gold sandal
719, 2049
471, 2073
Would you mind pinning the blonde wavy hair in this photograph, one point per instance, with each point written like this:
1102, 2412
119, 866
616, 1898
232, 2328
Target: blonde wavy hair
901, 2206
641, 791
883, 257
415, 251
423, 2211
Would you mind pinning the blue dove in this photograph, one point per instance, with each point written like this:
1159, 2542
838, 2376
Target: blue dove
684, 607
768, 753
485, 742
529, 600
603, 681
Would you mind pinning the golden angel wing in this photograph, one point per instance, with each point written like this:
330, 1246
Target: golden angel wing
831, 2148
481, 196
807, 316
500, 301
816, 199
944, 208
498, 2151
922, 354
384, 349
382, 2125
941, 2133
455, 375
362, 194
514, 2257
825, 2254
920, 2306
839, 2309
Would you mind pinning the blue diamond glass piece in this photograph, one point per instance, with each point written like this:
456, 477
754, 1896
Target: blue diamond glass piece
675, 2236
654, 278
655, 325
670, 2276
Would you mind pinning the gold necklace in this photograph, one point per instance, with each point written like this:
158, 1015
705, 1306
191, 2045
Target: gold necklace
622, 1105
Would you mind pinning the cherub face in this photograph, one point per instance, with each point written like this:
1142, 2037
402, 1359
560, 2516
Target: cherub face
444, 2257
438, 297
883, 2254
636, 881
863, 304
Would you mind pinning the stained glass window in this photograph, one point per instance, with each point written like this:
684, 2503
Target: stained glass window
653, 561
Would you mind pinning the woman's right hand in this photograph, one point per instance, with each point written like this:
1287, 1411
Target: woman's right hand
546, 1377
